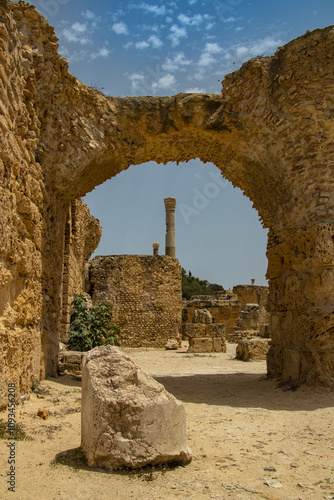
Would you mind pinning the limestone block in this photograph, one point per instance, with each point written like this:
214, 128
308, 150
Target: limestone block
219, 345
172, 344
191, 330
200, 344
256, 348
219, 330
128, 419
202, 316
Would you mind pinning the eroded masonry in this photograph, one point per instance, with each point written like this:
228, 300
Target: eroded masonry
270, 132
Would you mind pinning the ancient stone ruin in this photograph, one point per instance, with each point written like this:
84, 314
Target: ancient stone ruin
270, 132
145, 292
203, 335
128, 419
238, 314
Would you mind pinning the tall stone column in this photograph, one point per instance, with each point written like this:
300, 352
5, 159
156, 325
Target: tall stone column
170, 204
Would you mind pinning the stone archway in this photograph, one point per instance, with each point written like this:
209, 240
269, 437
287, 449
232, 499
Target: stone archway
270, 133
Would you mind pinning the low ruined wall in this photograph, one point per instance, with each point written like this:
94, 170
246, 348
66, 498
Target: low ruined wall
251, 294
254, 294
145, 292
223, 307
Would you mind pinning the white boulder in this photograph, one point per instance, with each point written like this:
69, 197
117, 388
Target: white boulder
128, 419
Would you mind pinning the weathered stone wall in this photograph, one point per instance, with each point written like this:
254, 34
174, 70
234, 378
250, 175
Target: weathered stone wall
145, 292
251, 294
270, 133
82, 236
23, 214
33, 215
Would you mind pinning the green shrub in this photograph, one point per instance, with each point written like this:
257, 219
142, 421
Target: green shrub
91, 326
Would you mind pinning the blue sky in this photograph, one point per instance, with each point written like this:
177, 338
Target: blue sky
161, 48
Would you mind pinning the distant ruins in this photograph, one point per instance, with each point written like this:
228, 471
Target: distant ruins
270, 133
145, 291
210, 320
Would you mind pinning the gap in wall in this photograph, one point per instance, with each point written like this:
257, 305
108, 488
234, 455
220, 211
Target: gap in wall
218, 234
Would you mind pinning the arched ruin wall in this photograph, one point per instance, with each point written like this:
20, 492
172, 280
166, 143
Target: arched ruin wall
24, 204
270, 132
32, 215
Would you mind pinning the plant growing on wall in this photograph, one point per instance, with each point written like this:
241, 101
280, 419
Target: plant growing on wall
91, 326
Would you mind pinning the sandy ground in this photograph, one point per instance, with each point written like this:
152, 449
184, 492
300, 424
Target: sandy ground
250, 439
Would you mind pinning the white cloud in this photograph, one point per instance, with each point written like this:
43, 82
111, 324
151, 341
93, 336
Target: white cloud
153, 9
190, 21
166, 82
207, 58
155, 41
88, 14
142, 45
263, 46
79, 27
176, 34
213, 48
209, 26
242, 51
176, 63
104, 52
137, 80
75, 33
120, 28
195, 90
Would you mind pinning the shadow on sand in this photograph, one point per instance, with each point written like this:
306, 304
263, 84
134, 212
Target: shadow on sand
246, 390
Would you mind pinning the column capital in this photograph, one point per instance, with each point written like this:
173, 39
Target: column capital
170, 203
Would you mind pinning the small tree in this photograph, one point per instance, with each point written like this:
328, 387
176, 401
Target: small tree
91, 326
194, 286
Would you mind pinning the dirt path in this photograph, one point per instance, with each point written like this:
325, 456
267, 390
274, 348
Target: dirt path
249, 438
